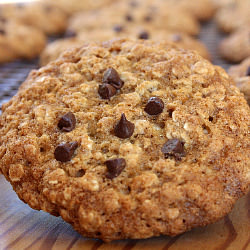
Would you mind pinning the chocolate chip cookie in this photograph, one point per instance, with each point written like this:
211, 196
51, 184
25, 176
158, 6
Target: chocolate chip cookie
54, 49
41, 15
18, 41
155, 15
241, 75
233, 16
128, 139
236, 47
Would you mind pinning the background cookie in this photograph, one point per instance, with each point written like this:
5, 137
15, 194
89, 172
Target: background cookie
236, 47
155, 15
233, 16
54, 49
128, 129
41, 15
241, 75
19, 41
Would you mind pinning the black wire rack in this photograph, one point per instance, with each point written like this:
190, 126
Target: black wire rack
14, 73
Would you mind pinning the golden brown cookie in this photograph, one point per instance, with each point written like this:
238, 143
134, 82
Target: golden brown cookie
241, 75
18, 41
236, 47
54, 49
128, 139
41, 15
155, 15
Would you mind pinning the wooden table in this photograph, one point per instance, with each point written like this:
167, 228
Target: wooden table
24, 228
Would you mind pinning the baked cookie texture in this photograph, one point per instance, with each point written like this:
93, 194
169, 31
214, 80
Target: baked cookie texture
236, 47
154, 15
54, 49
233, 16
44, 16
18, 41
241, 75
128, 139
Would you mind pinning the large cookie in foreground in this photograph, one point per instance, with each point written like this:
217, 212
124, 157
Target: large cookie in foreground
128, 139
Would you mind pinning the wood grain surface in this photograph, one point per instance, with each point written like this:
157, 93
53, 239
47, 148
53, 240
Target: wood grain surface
24, 228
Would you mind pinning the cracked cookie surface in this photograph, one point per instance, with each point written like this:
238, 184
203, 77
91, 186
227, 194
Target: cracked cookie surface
164, 150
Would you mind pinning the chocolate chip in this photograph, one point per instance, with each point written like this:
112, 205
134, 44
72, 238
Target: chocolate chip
248, 71
148, 18
70, 33
80, 173
129, 18
3, 20
174, 148
112, 77
118, 28
154, 106
124, 128
67, 122
2, 32
65, 151
106, 91
176, 38
143, 35
115, 167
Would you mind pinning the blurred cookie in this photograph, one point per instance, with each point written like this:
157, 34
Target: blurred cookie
241, 75
155, 15
54, 49
43, 16
72, 6
19, 41
201, 9
128, 139
236, 47
234, 16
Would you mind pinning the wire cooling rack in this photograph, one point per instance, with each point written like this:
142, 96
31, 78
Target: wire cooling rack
13, 74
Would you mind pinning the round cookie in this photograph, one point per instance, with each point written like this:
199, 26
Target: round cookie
18, 41
128, 139
155, 15
236, 47
233, 16
54, 49
241, 75
43, 16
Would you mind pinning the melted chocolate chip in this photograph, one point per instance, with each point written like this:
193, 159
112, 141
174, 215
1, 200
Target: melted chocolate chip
129, 18
67, 122
143, 35
176, 38
112, 77
118, 28
154, 106
124, 128
106, 91
248, 71
80, 173
174, 148
115, 167
70, 33
148, 18
65, 151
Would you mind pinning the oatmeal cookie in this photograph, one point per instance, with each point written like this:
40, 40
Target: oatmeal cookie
54, 49
236, 47
233, 16
155, 15
18, 41
241, 75
128, 139
43, 16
